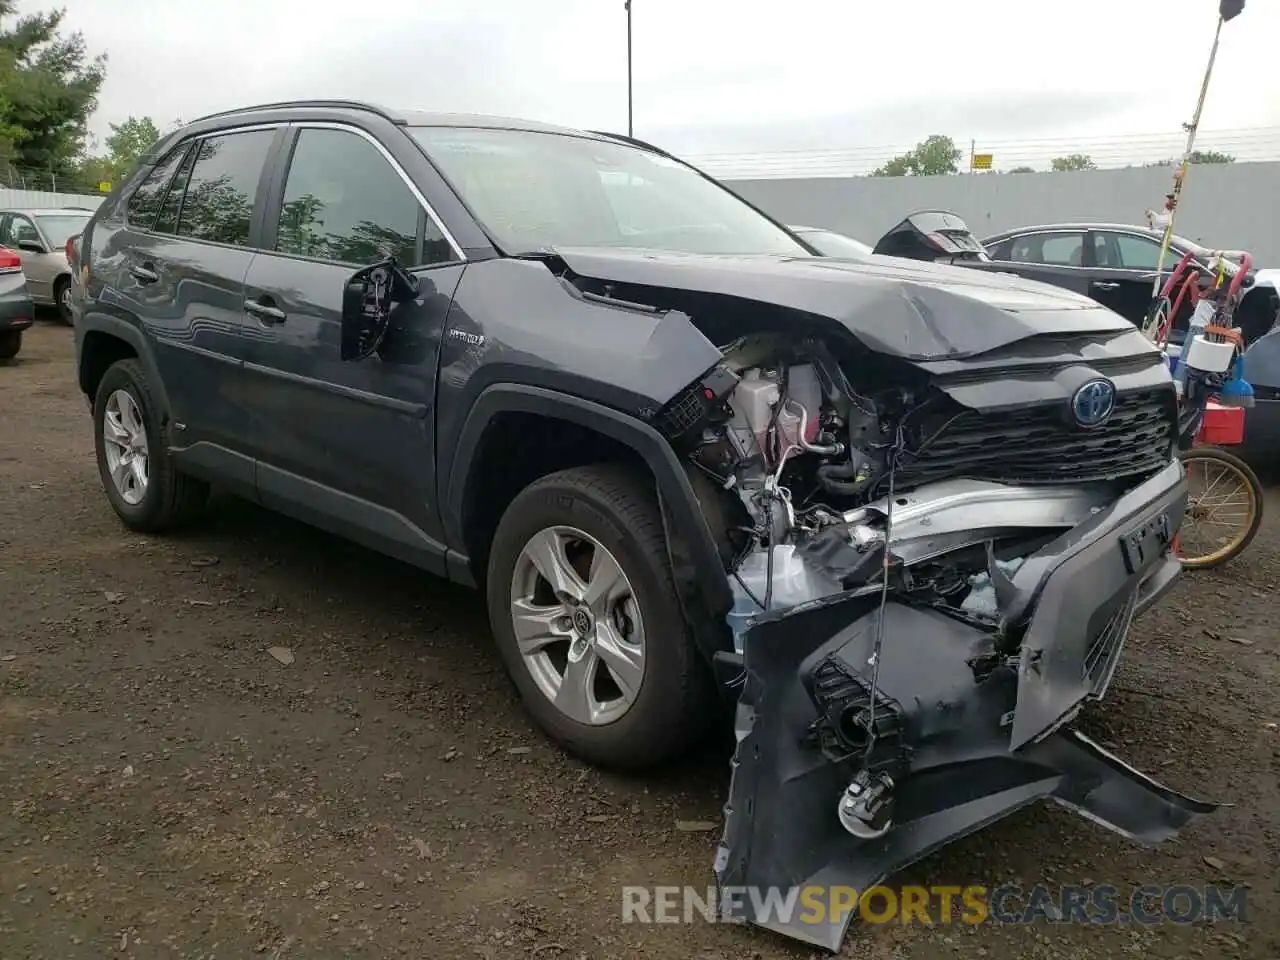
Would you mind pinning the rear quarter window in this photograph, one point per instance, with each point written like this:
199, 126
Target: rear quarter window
144, 205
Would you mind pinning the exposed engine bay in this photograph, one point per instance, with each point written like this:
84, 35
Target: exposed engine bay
925, 596
817, 473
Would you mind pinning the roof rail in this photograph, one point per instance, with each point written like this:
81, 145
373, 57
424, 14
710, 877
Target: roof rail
631, 140
330, 104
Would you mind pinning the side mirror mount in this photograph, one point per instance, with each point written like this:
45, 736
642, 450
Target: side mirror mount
32, 246
367, 302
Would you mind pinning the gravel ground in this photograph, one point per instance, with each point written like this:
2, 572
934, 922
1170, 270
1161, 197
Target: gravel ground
168, 787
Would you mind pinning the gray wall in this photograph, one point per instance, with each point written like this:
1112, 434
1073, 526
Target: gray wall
1234, 206
42, 199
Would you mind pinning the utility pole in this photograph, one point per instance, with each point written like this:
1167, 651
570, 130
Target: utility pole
630, 127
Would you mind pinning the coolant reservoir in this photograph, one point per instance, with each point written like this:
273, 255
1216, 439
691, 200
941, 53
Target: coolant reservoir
756, 395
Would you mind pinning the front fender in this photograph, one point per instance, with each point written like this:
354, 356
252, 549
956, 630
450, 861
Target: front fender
706, 605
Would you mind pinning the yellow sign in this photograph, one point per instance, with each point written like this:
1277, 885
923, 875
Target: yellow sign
982, 161
104, 187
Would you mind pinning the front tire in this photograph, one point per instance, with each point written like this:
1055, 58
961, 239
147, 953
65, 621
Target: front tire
62, 300
145, 488
10, 344
586, 616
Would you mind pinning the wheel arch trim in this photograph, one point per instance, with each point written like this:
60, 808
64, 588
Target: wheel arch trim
679, 503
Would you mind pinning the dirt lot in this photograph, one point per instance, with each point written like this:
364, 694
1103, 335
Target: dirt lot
169, 788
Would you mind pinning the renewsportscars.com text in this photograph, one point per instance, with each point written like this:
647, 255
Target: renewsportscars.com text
1100, 904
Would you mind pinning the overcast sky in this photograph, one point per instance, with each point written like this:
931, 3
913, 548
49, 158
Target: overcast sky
711, 76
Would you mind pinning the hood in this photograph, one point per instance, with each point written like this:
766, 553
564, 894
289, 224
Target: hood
909, 309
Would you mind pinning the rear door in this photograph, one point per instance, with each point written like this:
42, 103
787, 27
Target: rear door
1123, 270
180, 268
349, 446
1050, 256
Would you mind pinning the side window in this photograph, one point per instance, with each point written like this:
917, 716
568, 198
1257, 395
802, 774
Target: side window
1140, 253
344, 202
1001, 250
1050, 249
145, 203
167, 221
218, 204
5, 223
22, 230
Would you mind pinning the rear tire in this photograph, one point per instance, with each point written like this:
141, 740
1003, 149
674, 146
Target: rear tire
662, 708
154, 497
10, 344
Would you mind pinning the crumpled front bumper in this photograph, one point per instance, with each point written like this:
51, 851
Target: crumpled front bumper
978, 734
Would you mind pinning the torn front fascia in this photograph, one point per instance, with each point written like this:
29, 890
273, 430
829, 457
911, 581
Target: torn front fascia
971, 736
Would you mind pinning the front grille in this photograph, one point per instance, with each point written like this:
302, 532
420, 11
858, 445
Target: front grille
1043, 445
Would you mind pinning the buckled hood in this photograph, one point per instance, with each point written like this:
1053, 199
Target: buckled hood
912, 310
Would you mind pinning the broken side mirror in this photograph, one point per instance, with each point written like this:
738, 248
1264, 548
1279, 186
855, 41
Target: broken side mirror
370, 296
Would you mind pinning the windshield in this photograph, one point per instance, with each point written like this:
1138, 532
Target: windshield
535, 191
61, 227
835, 244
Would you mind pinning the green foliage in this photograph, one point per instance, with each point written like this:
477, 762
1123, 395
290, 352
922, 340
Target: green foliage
930, 157
1210, 156
1074, 161
126, 144
48, 89
1023, 170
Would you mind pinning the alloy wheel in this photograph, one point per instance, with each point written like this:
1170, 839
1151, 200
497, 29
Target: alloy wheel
126, 447
577, 625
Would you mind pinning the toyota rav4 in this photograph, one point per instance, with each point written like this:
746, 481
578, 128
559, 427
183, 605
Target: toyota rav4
900, 516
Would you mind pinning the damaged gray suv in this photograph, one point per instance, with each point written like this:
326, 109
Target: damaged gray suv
900, 516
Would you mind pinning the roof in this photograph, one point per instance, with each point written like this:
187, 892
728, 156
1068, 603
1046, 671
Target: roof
40, 211
411, 118
1080, 225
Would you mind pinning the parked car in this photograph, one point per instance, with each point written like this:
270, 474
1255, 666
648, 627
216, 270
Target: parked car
40, 237
16, 309
436, 335
1115, 264
832, 244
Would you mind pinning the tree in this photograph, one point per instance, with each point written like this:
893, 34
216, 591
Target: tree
130, 140
1074, 161
1210, 156
1023, 170
1196, 156
932, 156
48, 88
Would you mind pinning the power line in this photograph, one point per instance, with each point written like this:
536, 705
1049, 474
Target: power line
1244, 144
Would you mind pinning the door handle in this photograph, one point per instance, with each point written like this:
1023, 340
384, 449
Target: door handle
264, 312
1105, 285
144, 274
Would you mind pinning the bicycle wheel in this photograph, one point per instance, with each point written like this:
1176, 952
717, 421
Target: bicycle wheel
1224, 508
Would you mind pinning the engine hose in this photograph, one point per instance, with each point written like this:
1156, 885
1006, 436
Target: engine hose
835, 478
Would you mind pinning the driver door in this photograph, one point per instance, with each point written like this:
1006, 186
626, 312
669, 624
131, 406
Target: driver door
346, 445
